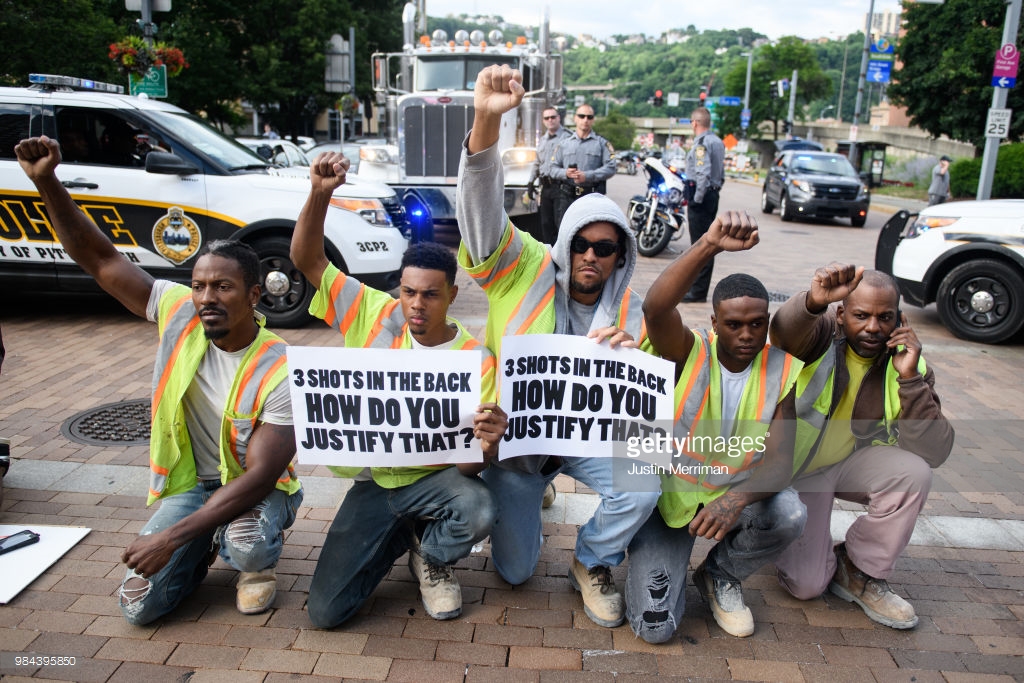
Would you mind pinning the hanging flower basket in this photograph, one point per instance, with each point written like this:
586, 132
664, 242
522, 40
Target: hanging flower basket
133, 57
171, 57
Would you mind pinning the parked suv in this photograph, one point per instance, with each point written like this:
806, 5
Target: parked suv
809, 183
161, 183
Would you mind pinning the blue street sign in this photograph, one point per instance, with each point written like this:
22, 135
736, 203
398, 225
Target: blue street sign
730, 101
1003, 82
880, 63
745, 119
879, 72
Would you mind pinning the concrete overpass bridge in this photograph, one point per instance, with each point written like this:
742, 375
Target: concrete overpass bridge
828, 133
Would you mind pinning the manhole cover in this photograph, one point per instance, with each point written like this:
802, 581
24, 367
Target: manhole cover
125, 423
778, 297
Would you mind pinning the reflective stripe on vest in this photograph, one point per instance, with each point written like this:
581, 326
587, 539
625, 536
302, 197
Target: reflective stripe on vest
770, 375
182, 347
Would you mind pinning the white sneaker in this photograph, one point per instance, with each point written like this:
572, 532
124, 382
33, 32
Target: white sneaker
439, 589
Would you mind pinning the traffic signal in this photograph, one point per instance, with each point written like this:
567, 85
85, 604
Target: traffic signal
773, 90
658, 99
786, 127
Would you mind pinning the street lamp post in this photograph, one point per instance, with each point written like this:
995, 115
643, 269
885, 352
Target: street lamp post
746, 90
842, 81
822, 115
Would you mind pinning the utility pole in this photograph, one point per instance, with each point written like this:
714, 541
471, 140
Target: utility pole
860, 85
988, 159
746, 89
792, 102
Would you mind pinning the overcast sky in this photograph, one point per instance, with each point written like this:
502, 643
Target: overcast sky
603, 18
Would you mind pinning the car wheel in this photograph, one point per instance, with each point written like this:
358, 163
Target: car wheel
285, 293
858, 221
766, 205
982, 301
785, 211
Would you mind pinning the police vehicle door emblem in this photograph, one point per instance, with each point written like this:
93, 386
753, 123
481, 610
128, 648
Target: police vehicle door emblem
176, 236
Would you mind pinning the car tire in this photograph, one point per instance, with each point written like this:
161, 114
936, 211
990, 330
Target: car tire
766, 205
982, 301
285, 293
858, 221
785, 211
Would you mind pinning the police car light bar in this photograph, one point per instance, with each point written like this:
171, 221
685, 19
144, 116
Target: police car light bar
55, 81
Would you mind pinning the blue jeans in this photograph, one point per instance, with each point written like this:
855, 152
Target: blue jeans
659, 556
516, 538
247, 544
374, 527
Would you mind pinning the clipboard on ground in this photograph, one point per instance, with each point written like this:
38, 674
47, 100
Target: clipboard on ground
21, 567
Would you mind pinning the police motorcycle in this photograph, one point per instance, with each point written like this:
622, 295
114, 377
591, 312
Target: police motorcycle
659, 216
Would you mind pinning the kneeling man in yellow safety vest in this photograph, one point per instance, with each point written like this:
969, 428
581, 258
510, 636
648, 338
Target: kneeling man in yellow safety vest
222, 440
732, 443
870, 430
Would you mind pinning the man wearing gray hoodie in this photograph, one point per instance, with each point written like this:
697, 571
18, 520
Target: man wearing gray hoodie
578, 286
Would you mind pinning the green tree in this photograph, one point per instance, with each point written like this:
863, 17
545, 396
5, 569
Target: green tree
68, 37
945, 77
773, 63
617, 129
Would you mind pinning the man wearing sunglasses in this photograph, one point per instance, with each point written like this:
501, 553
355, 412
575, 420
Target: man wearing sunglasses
542, 173
579, 286
582, 163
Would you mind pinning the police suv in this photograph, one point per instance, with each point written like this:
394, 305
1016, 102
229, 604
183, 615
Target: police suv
967, 257
160, 183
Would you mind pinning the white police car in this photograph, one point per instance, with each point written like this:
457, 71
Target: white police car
967, 257
161, 183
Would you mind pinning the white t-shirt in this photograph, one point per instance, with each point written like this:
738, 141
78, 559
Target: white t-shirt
733, 384
207, 396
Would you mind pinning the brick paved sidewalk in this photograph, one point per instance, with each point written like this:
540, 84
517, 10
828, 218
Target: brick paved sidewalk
971, 605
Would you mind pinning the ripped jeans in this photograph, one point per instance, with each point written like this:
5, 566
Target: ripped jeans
659, 557
247, 544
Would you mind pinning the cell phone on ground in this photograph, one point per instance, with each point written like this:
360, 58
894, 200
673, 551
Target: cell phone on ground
18, 540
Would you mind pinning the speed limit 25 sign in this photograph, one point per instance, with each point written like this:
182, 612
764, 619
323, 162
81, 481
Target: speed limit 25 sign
997, 125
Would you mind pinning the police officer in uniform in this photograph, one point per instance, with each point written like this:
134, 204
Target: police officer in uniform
582, 163
705, 169
542, 173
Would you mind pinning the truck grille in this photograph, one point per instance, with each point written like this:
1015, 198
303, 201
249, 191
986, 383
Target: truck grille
433, 138
843, 192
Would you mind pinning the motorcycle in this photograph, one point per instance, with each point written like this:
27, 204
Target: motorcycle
659, 216
626, 162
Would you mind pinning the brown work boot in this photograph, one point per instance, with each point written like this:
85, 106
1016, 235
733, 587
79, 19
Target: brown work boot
873, 595
601, 601
725, 598
549, 496
256, 591
439, 588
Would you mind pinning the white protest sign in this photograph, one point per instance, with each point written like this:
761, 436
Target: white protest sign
384, 407
582, 399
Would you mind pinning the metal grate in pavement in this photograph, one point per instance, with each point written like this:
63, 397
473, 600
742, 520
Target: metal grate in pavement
778, 297
125, 423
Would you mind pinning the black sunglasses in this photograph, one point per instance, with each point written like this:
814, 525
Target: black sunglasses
548, 118
602, 248
584, 116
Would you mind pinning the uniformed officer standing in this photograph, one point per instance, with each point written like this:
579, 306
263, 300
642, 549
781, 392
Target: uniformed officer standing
582, 162
705, 167
542, 173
